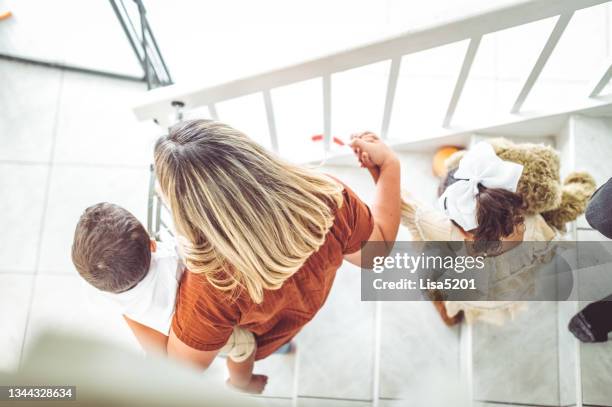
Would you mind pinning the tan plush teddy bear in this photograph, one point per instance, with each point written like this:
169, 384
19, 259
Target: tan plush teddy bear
540, 184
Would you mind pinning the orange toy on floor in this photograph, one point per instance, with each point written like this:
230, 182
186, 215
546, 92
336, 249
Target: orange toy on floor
438, 167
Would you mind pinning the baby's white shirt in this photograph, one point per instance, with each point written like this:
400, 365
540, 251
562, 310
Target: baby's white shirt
152, 301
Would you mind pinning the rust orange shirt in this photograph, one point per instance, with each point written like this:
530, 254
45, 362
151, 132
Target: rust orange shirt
205, 316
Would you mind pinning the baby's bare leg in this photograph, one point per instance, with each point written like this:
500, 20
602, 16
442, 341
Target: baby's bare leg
242, 377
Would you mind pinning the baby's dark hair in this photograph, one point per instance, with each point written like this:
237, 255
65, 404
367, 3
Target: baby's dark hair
111, 249
499, 211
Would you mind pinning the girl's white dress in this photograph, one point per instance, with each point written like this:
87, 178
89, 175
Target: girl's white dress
513, 272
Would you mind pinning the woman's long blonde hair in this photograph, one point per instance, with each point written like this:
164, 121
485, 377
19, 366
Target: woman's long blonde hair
250, 219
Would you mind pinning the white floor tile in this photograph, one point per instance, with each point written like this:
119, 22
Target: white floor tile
280, 372
411, 403
15, 293
485, 404
64, 303
46, 32
21, 211
98, 30
518, 362
21, 35
336, 347
273, 402
448, 394
75, 188
568, 355
320, 402
411, 331
96, 123
419, 354
596, 369
28, 97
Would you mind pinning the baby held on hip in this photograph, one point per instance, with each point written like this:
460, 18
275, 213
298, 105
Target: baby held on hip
140, 277
148, 309
150, 305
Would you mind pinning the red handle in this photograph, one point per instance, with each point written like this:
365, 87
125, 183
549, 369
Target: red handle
319, 137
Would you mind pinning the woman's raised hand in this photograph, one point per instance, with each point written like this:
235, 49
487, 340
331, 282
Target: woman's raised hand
384, 166
370, 150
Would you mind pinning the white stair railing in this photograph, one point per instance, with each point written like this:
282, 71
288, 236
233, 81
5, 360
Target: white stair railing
158, 104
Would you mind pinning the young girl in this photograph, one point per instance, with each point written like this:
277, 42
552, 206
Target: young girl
479, 204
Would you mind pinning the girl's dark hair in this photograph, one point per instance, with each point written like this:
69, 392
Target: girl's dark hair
499, 211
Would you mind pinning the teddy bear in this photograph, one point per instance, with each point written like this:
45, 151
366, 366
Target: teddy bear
540, 184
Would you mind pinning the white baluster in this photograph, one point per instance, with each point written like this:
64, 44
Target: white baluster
327, 112
549, 47
391, 86
468, 60
271, 121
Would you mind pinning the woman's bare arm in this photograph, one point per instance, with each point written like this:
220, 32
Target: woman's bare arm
155, 342
197, 358
384, 167
152, 341
387, 203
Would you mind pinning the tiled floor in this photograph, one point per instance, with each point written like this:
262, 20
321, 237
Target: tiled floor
339, 343
29, 100
62, 302
530, 375
69, 141
71, 190
14, 307
22, 214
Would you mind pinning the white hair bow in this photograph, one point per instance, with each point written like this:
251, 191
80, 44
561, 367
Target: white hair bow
481, 166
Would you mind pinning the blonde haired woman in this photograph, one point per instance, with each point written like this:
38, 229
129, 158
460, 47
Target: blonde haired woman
262, 238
